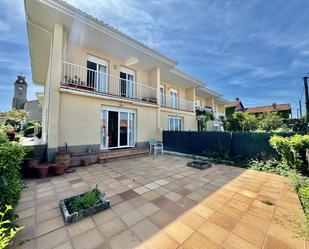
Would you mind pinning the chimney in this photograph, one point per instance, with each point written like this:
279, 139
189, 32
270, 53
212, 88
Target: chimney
237, 99
274, 106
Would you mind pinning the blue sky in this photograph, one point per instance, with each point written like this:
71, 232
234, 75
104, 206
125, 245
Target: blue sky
257, 50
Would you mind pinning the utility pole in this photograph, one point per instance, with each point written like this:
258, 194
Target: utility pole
306, 100
297, 113
300, 111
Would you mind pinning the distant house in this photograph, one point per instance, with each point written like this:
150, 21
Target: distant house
236, 106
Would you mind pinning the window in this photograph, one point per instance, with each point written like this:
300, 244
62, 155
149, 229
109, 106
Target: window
175, 123
97, 74
162, 96
127, 78
174, 98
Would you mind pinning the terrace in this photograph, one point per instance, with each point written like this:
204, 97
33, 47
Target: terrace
162, 203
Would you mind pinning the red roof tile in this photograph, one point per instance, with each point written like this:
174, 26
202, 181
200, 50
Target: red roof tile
268, 108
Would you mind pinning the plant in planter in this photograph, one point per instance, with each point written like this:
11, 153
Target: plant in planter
63, 157
42, 170
30, 161
82, 205
58, 168
86, 161
11, 134
199, 164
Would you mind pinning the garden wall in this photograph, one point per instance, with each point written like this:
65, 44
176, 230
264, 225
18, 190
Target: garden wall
243, 144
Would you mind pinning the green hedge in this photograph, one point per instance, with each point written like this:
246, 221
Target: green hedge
11, 158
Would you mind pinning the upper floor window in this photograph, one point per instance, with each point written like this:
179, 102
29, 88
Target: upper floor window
162, 96
174, 98
127, 79
97, 74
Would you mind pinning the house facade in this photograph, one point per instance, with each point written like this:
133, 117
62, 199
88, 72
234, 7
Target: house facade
101, 87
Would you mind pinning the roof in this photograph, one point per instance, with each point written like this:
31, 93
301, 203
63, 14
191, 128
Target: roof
235, 103
269, 108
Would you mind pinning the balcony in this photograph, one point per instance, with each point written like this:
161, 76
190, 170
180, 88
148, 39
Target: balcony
176, 103
83, 79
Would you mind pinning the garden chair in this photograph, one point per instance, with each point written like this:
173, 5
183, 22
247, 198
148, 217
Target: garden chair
155, 146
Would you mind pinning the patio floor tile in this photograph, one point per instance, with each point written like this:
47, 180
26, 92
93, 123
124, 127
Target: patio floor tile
161, 241
213, 232
80, 227
113, 227
88, 240
124, 240
198, 241
178, 231
145, 229
132, 217
234, 242
148, 209
161, 218
49, 225
52, 239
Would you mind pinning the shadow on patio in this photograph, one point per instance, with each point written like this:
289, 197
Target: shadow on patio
162, 203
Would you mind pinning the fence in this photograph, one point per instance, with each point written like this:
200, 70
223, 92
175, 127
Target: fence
243, 144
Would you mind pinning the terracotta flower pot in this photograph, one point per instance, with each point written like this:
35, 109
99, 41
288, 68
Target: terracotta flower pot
58, 168
86, 162
42, 170
63, 157
10, 135
28, 166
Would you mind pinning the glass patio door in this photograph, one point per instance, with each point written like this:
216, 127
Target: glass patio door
117, 128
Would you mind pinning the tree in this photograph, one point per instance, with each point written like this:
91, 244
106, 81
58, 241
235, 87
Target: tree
242, 121
270, 121
15, 118
203, 119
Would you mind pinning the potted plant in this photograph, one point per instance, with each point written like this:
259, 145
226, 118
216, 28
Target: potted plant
58, 168
63, 157
85, 161
42, 170
11, 134
30, 161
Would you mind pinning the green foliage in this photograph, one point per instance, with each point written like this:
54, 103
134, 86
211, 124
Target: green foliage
87, 200
7, 231
291, 149
271, 165
219, 152
242, 121
29, 151
203, 119
15, 118
11, 157
270, 121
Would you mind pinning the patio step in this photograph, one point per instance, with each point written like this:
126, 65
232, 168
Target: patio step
116, 153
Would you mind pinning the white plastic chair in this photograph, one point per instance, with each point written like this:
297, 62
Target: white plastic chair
155, 146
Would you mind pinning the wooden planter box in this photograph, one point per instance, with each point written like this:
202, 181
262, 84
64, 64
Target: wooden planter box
73, 217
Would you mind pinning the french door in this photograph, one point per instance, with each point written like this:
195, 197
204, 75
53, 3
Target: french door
127, 78
97, 74
117, 128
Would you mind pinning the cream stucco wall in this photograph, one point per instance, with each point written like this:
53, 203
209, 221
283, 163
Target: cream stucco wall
77, 54
189, 120
79, 122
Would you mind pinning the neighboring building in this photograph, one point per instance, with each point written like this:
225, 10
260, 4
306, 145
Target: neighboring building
20, 101
283, 109
20, 93
103, 88
209, 101
34, 109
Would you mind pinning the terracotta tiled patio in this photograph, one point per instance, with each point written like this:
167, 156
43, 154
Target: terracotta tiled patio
162, 203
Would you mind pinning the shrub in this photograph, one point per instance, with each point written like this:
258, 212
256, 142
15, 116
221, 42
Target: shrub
7, 232
291, 149
271, 165
11, 157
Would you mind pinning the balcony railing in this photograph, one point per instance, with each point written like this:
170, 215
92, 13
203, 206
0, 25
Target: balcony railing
85, 79
176, 103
